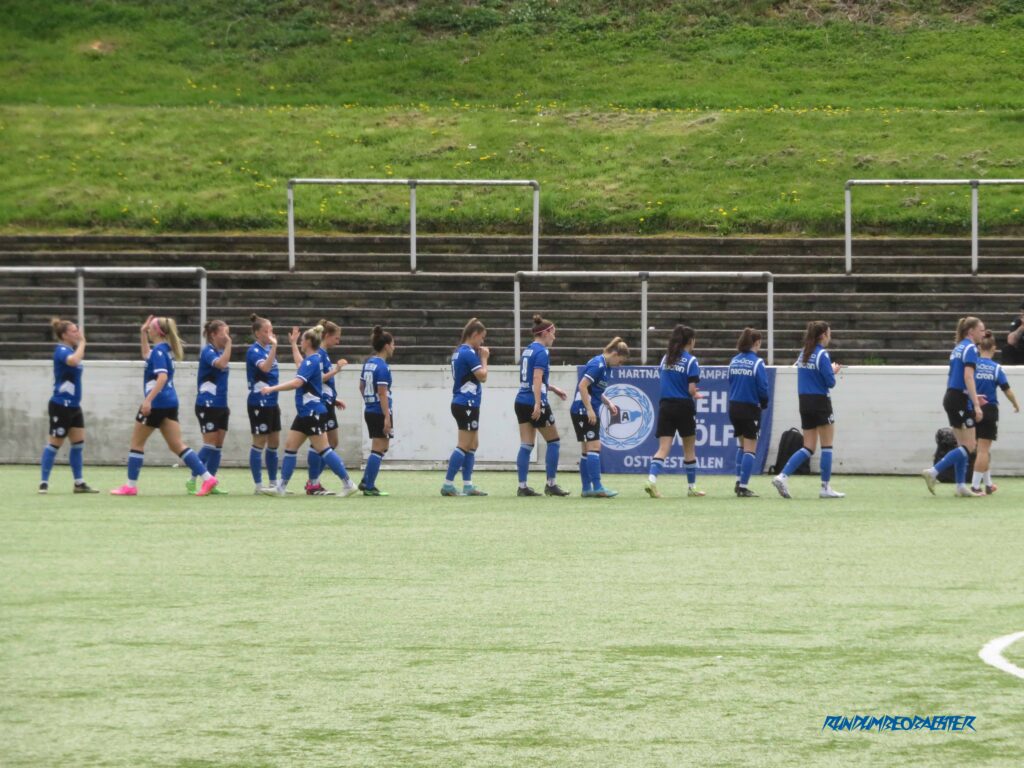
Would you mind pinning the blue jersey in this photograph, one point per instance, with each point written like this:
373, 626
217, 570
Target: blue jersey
676, 378
466, 390
596, 372
161, 360
535, 358
815, 376
212, 381
748, 379
375, 373
963, 356
309, 398
67, 379
325, 367
257, 378
989, 378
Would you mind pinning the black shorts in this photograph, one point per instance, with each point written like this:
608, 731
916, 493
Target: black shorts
309, 425
746, 420
63, 419
156, 416
959, 410
467, 417
585, 431
212, 418
988, 427
330, 418
375, 425
816, 411
264, 419
524, 415
677, 415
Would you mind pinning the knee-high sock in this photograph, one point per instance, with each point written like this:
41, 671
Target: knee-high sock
691, 471
594, 468
256, 464
551, 460
523, 461
746, 468
204, 458
656, 466
947, 461
455, 463
739, 462
192, 461
315, 465
333, 461
271, 457
826, 464
372, 468
291, 458
76, 460
585, 473
467, 467
961, 466
135, 459
796, 461
213, 462
46, 462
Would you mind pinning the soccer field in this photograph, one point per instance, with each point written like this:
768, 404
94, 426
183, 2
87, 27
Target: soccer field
416, 630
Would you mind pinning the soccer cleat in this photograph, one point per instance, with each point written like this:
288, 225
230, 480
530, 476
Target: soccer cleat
274, 490
207, 487
604, 493
695, 492
361, 486
781, 486
967, 492
527, 492
990, 489
257, 490
347, 489
929, 479
586, 494
736, 488
827, 493
745, 493
472, 490
84, 488
652, 490
44, 487
218, 492
449, 489
374, 492
315, 489
125, 490
190, 486
554, 490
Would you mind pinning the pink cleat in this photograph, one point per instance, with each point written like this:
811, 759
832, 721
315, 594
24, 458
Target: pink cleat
125, 490
207, 486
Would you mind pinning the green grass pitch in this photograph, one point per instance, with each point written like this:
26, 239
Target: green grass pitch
415, 630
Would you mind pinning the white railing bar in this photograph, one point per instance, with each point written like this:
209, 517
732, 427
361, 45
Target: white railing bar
930, 182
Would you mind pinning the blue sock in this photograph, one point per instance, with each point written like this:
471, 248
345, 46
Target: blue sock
961, 465
746, 468
691, 471
585, 473
135, 459
46, 462
739, 463
372, 468
213, 462
333, 462
76, 461
551, 460
523, 461
204, 456
796, 461
455, 463
656, 466
316, 466
947, 461
288, 465
271, 457
826, 464
467, 467
256, 464
193, 462
594, 468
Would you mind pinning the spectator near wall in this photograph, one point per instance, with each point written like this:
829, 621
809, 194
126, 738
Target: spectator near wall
1013, 352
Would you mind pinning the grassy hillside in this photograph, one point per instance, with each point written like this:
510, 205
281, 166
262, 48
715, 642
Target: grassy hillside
635, 117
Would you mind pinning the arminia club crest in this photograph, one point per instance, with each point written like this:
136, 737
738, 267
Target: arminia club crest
634, 421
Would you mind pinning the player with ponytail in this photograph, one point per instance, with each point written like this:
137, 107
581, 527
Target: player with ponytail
585, 410
748, 396
264, 412
212, 397
378, 407
469, 372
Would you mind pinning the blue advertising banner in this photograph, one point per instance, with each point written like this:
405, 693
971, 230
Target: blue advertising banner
628, 440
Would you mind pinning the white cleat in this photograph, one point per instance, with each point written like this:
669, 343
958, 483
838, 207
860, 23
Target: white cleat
347, 489
781, 486
274, 490
828, 493
968, 492
929, 479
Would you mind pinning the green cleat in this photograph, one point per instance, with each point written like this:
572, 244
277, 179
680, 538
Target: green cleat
374, 492
217, 491
190, 486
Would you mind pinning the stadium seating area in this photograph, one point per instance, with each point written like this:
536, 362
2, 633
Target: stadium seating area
899, 306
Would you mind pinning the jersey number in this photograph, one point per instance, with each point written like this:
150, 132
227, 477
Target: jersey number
369, 392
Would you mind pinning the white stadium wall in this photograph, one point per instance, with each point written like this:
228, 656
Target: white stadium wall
886, 417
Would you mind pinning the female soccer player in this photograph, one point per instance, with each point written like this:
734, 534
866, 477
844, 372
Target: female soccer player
963, 406
332, 335
815, 376
989, 378
264, 412
310, 416
378, 409
66, 419
159, 409
677, 409
212, 397
748, 396
469, 371
533, 411
585, 409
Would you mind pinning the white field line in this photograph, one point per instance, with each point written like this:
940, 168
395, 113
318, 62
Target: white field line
992, 654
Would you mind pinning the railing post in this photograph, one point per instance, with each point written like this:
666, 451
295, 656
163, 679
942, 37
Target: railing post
536, 227
643, 318
202, 305
412, 225
515, 313
974, 226
80, 285
771, 318
848, 201
291, 226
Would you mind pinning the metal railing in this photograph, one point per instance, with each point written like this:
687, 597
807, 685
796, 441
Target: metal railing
412, 184
644, 277
80, 274
974, 184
